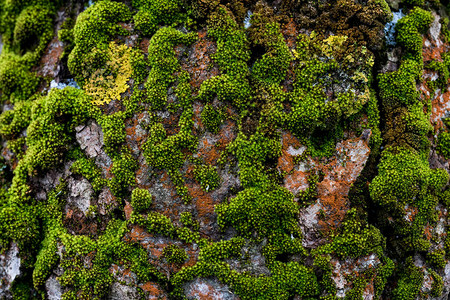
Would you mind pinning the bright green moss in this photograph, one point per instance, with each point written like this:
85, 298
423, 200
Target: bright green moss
165, 152
87, 168
260, 210
222, 250
443, 144
188, 220
16, 81
373, 114
399, 87
356, 239
273, 65
408, 286
252, 152
287, 279
114, 134
409, 29
19, 224
163, 62
153, 13
402, 175
47, 137
159, 224
231, 56
207, 176
94, 28
34, 27
405, 179
12, 122
109, 248
443, 72
318, 58
141, 199
174, 254
45, 261
212, 118
437, 258
123, 169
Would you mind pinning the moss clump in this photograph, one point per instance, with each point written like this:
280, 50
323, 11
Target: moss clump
319, 59
153, 13
356, 239
409, 283
12, 122
87, 168
437, 258
93, 29
231, 56
114, 134
123, 169
188, 220
174, 254
16, 81
410, 29
406, 179
443, 144
212, 118
141, 199
163, 62
207, 176
34, 28
263, 211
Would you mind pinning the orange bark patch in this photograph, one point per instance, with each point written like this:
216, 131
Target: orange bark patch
290, 33
143, 45
50, 60
296, 182
199, 62
440, 103
153, 290
203, 200
128, 209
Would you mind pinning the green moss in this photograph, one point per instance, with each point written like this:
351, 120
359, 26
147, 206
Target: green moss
94, 28
123, 169
45, 261
12, 122
409, 29
88, 169
409, 283
437, 258
141, 199
443, 144
163, 63
287, 279
212, 118
188, 220
437, 287
16, 81
356, 239
153, 13
34, 27
259, 210
207, 176
231, 56
114, 134
174, 254
19, 224
405, 179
